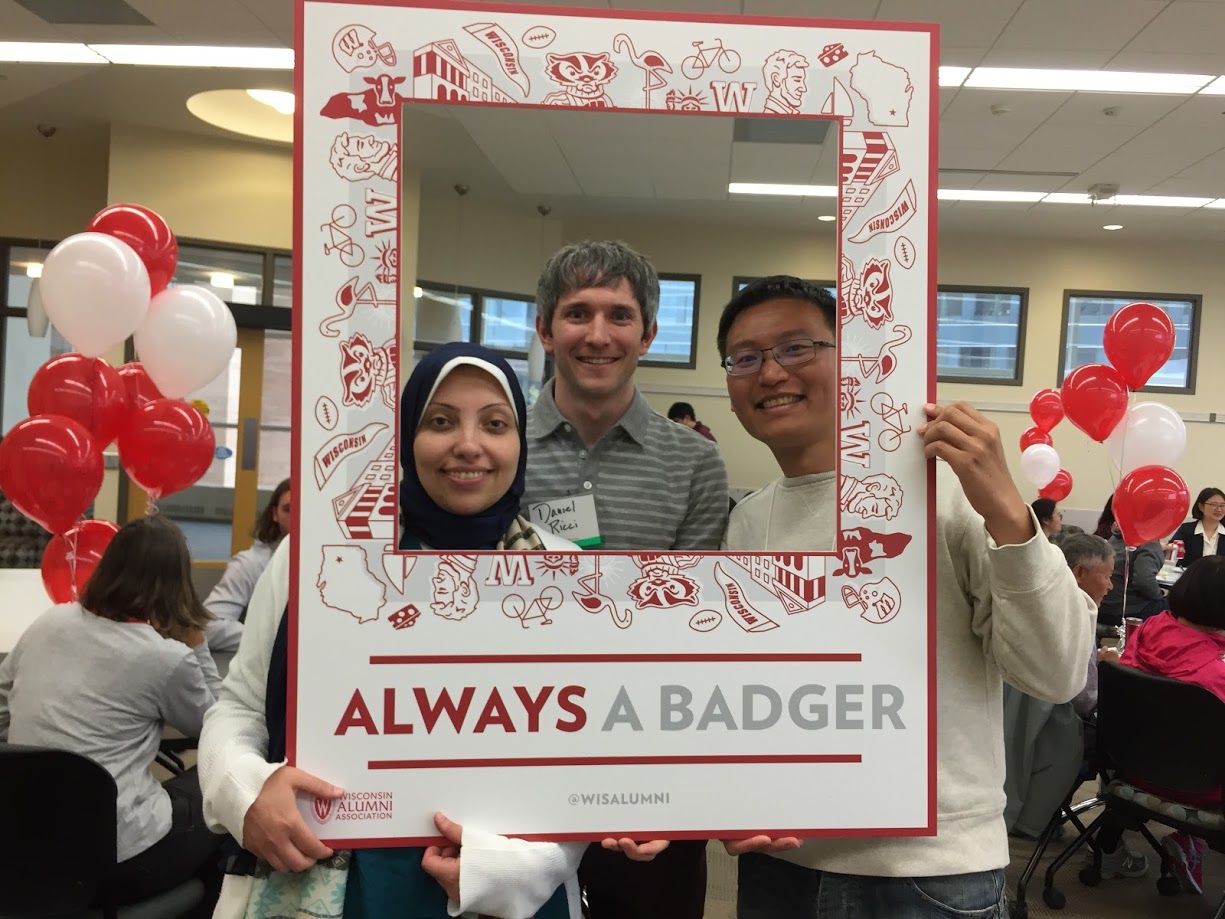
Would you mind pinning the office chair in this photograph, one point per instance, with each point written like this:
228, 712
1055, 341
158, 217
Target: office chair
1154, 732
59, 843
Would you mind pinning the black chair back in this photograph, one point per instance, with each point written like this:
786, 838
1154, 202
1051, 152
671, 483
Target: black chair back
1161, 732
57, 842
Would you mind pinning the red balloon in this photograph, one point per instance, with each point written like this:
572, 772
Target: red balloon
1035, 436
1095, 398
1138, 340
147, 233
1059, 487
69, 560
51, 469
166, 446
1150, 503
85, 389
1046, 408
140, 388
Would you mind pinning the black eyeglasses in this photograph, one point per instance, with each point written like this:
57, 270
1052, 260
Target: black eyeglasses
787, 353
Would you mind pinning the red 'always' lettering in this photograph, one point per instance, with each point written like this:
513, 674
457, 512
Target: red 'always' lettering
564, 699
533, 706
431, 713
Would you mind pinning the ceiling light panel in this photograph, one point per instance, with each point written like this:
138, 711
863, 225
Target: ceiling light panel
797, 191
953, 76
198, 56
1091, 81
976, 194
48, 52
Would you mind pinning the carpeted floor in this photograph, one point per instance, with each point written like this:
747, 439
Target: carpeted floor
1124, 898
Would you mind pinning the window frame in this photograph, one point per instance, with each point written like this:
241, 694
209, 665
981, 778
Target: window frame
738, 279
477, 328
1017, 378
692, 363
1197, 315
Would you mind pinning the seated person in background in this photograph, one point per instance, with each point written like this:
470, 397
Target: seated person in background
1050, 517
1141, 596
228, 600
462, 411
1006, 607
1185, 642
683, 413
1200, 536
101, 677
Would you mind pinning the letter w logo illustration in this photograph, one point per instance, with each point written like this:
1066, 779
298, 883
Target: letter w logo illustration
323, 809
509, 568
856, 444
732, 96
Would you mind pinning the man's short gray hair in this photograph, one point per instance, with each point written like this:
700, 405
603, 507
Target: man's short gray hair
597, 264
1085, 549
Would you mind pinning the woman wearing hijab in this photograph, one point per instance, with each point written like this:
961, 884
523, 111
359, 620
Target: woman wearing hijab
463, 453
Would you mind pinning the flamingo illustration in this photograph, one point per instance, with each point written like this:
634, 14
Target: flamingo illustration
595, 602
651, 63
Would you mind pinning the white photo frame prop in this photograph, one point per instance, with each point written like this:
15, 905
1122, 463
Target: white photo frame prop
785, 694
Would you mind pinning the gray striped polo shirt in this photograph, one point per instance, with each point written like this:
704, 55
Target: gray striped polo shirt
658, 485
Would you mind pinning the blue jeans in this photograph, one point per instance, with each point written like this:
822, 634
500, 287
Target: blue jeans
770, 888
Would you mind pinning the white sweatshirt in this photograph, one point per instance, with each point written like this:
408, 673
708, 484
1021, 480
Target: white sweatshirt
1002, 613
508, 878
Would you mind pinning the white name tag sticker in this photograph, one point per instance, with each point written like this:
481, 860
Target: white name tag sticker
571, 518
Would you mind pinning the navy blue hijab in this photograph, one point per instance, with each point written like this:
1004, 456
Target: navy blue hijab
425, 523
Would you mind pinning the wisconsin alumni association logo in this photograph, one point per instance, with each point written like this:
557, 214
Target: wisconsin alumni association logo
354, 805
323, 809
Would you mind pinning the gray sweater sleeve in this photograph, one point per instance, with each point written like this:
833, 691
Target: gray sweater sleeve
190, 691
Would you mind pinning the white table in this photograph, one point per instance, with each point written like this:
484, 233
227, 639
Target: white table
22, 600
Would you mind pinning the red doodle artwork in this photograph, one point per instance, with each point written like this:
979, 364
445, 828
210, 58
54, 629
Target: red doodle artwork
583, 77
388, 271
352, 294
397, 566
661, 584
510, 569
880, 601
874, 496
895, 422
651, 63
706, 56
705, 620
868, 158
743, 613
592, 600
366, 370
454, 595
797, 580
855, 444
892, 218
685, 100
443, 74
505, 49
539, 37
339, 240
357, 46
369, 509
558, 564
378, 104
326, 413
904, 252
885, 87
732, 95
336, 450
785, 77
537, 612
868, 297
359, 157
839, 102
405, 617
346, 583
832, 53
848, 396
859, 546
879, 367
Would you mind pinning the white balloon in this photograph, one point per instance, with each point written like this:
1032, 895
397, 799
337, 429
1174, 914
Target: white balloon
1039, 464
1150, 434
36, 316
95, 290
186, 340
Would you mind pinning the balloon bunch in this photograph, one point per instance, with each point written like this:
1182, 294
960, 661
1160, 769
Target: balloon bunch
99, 287
1145, 440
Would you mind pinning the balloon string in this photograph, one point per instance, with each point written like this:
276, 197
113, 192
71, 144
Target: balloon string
71, 538
151, 506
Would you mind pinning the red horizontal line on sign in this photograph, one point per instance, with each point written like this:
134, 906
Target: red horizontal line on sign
613, 761
850, 658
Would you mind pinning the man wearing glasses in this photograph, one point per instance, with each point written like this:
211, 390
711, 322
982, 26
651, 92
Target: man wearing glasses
1007, 606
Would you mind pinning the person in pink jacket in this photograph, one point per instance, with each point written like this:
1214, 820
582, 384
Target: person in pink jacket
1187, 642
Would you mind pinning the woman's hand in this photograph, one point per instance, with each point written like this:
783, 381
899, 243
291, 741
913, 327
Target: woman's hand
442, 862
760, 844
636, 851
274, 829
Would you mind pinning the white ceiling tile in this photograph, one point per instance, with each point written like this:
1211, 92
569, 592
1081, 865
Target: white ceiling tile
1168, 62
1089, 25
1066, 149
975, 105
214, 22
973, 24
720, 7
1138, 110
782, 163
817, 9
1065, 59
1183, 28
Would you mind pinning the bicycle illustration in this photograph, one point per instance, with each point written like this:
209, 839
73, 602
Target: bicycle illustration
707, 56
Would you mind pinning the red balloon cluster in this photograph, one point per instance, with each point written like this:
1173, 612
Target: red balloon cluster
1151, 500
70, 559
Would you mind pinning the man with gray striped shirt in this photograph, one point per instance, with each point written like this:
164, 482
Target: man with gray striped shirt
607, 471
